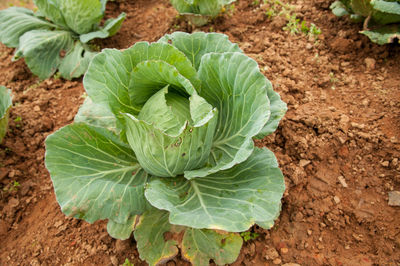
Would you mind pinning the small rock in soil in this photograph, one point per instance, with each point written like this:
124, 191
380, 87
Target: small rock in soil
114, 260
370, 63
394, 198
277, 261
342, 181
271, 254
291, 264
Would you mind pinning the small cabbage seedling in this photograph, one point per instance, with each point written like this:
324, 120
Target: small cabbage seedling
5, 105
200, 12
381, 17
163, 146
56, 36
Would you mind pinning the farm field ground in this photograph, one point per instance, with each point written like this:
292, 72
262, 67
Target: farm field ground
338, 145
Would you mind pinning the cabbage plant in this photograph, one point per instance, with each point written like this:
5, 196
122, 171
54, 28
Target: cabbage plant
381, 17
5, 105
57, 35
200, 12
163, 146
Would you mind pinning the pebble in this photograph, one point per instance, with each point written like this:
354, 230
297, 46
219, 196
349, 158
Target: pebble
114, 260
336, 199
385, 163
277, 261
304, 163
271, 254
291, 264
36, 108
309, 232
394, 198
284, 250
342, 181
309, 46
370, 63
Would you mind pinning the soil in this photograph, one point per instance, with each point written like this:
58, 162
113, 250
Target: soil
338, 145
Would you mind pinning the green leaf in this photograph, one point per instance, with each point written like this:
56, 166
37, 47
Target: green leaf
386, 12
122, 231
81, 15
76, 61
164, 155
15, 21
361, 7
103, 5
169, 118
41, 50
200, 246
383, 35
51, 10
231, 200
95, 175
111, 27
109, 77
5, 105
278, 110
197, 44
96, 115
233, 83
151, 76
339, 9
150, 235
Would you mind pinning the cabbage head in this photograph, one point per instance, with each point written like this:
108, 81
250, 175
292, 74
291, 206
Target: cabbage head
57, 35
200, 12
164, 143
381, 17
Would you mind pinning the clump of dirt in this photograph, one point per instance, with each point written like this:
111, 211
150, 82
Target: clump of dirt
338, 145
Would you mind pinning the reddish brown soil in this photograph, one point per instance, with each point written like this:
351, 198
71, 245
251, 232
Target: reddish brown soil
343, 123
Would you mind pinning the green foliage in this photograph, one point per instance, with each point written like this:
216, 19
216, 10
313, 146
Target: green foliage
200, 12
56, 36
249, 235
294, 25
127, 263
381, 17
5, 105
163, 146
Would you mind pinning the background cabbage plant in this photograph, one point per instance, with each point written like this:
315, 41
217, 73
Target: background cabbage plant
56, 36
381, 17
200, 12
164, 143
5, 105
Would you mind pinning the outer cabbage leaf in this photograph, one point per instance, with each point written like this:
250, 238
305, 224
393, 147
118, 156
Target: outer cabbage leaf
231, 200
149, 235
76, 61
122, 231
41, 50
51, 10
111, 27
386, 12
95, 175
199, 246
158, 241
383, 35
278, 110
96, 115
15, 21
233, 83
198, 12
197, 44
5, 105
81, 15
